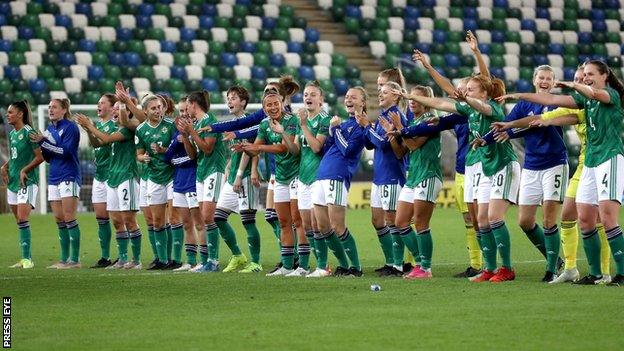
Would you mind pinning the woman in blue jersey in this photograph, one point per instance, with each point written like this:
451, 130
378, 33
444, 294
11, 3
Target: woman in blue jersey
21, 175
545, 173
271, 138
343, 148
602, 180
423, 184
389, 171
59, 145
498, 187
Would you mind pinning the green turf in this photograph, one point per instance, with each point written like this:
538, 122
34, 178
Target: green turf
115, 310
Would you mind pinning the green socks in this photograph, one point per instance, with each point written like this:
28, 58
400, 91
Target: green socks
122, 245
398, 248
411, 242
425, 245
321, 251
191, 254
152, 240
104, 234
212, 241
591, 245
304, 256
24, 239
311, 242
385, 241
177, 233
228, 235
536, 236
488, 247
552, 239
169, 241
253, 240
160, 235
203, 253
74, 240
64, 240
135, 244
616, 242
288, 258
503, 243
348, 243
334, 244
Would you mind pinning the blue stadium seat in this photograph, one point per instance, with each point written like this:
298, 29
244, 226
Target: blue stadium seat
95, 72
229, 59
557, 49
146, 9
411, 12
484, 48
277, 60
247, 46
12, 72
6, 45
3, 20
498, 36
178, 72
63, 21
206, 22
541, 12
210, 84
297, 98
584, 38
497, 72
25, 33
312, 35
295, 47
209, 10
428, 3
269, 22
524, 86
528, 24
341, 85
470, 24
452, 60
439, 36
187, 34
5, 8
124, 34
423, 47
598, 14
143, 21
167, 46
68, 58
132, 59
411, 23
470, 12
87, 45
258, 72
306, 73
539, 60
568, 73
37, 86
599, 26
114, 58
83, 8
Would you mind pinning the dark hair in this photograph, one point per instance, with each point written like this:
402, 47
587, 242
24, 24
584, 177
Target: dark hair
112, 99
201, 98
168, 103
315, 83
183, 99
288, 86
24, 108
612, 79
242, 93
65, 103
394, 75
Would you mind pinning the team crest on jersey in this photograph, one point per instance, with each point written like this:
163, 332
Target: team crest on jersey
20, 137
147, 133
164, 130
349, 129
315, 124
106, 129
60, 132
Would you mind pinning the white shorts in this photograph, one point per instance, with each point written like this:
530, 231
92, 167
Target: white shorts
98, 192
199, 186
143, 193
544, 185
407, 195
385, 196
235, 202
428, 190
285, 192
157, 194
602, 183
271, 183
304, 195
63, 189
329, 191
185, 200
27, 195
170, 191
472, 178
212, 187
124, 197
506, 183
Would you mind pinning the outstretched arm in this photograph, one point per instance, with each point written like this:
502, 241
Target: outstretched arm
546, 99
440, 80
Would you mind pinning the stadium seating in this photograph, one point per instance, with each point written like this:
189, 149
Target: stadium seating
514, 35
82, 48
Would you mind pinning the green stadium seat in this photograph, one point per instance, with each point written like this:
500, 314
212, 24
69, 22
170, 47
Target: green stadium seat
92, 97
499, 13
286, 11
215, 47
104, 46
441, 24
181, 59
136, 46
379, 35
456, 12
497, 49
613, 38
599, 49
393, 49
16, 58
337, 72
128, 72
452, 36
162, 9
5, 86
120, 46
30, 20
112, 72
571, 25
437, 60
526, 74
55, 84
90, 85
235, 35
497, 61
453, 48
261, 59
174, 84
156, 34
292, 71
24, 95
111, 21
570, 49
263, 47
382, 24
176, 22
382, 12
221, 22
43, 33
499, 24
514, 37
115, 9
34, 8
45, 72
213, 59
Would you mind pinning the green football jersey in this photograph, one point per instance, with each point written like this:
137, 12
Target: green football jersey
494, 156
287, 164
424, 162
604, 127
22, 153
103, 153
215, 161
123, 165
143, 171
159, 170
309, 163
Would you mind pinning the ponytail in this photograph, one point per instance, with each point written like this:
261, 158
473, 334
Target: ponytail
24, 108
201, 98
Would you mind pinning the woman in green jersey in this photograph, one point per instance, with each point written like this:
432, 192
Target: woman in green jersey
102, 167
601, 185
308, 144
21, 174
122, 192
271, 134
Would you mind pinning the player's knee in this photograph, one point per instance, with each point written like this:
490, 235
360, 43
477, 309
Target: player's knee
527, 223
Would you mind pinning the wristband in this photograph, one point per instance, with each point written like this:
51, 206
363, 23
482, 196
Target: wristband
239, 173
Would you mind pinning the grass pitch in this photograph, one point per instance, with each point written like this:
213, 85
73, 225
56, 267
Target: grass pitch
120, 310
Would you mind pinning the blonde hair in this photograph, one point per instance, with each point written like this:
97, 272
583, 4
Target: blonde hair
364, 96
65, 104
426, 91
401, 102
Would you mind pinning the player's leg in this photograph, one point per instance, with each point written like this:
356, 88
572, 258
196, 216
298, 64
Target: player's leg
189, 236
379, 223
390, 195
54, 198
530, 197
247, 203
481, 197
472, 245
129, 210
157, 200
147, 214
605, 252
270, 215
337, 218
403, 221
554, 182
177, 236
281, 199
69, 204
587, 210
570, 230
98, 199
321, 217
121, 238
